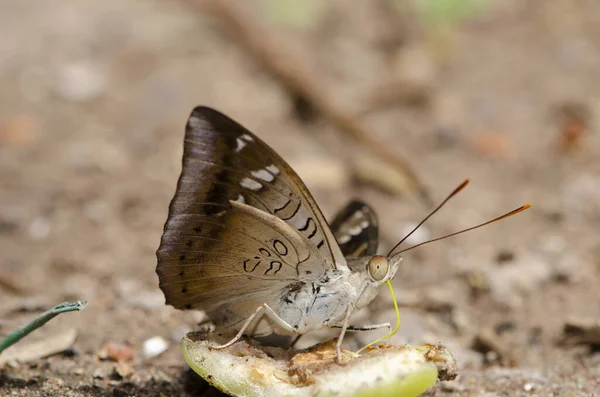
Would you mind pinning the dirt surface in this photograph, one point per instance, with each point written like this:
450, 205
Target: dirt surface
93, 103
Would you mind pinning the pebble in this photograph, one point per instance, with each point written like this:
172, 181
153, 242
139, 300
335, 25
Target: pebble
117, 352
98, 373
155, 346
123, 370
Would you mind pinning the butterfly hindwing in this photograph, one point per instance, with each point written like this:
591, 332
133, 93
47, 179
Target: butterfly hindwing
356, 229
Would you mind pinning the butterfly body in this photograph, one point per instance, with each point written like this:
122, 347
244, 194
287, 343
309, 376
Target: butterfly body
246, 242
325, 302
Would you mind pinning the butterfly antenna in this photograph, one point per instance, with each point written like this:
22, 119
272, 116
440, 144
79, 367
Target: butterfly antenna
454, 193
511, 213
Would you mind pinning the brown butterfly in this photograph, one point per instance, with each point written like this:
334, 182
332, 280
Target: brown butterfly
246, 242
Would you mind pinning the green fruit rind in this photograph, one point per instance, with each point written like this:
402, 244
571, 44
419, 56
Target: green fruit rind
401, 371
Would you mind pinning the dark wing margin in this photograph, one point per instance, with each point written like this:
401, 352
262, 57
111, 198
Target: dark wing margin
356, 229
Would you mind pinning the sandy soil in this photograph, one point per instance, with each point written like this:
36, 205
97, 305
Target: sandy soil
93, 103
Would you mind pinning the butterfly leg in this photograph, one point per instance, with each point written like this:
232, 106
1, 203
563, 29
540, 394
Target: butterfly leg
371, 327
262, 309
295, 340
338, 346
360, 328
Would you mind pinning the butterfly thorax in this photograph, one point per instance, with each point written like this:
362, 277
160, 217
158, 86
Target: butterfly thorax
309, 306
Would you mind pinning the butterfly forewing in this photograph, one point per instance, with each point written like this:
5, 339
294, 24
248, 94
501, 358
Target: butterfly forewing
241, 167
216, 247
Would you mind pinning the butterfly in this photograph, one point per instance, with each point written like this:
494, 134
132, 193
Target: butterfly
245, 241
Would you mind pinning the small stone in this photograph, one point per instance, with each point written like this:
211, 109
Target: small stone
117, 352
155, 346
123, 370
58, 381
78, 371
98, 374
528, 387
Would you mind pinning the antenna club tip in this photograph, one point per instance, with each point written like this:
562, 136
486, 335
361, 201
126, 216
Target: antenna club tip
528, 205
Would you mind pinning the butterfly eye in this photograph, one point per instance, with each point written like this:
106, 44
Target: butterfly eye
378, 267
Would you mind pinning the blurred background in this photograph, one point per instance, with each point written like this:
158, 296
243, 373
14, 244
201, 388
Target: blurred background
394, 102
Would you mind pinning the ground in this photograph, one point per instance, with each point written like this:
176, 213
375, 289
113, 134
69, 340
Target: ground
92, 108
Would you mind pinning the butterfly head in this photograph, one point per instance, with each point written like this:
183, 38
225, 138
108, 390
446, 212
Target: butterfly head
373, 271
380, 268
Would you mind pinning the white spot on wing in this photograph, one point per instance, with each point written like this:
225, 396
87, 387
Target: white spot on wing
344, 239
251, 184
263, 175
240, 144
364, 224
241, 199
355, 231
195, 122
273, 169
247, 138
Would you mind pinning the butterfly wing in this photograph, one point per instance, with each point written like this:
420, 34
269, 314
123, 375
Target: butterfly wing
356, 229
246, 260
216, 250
